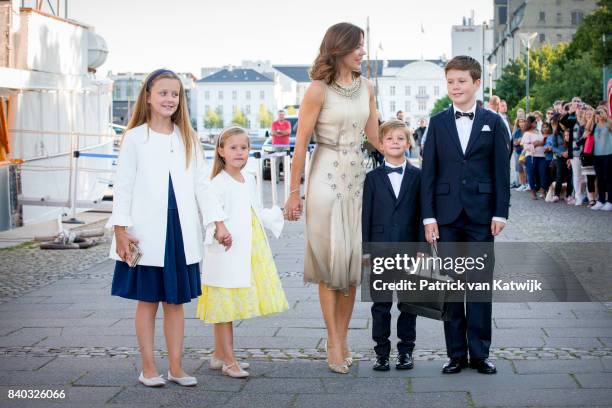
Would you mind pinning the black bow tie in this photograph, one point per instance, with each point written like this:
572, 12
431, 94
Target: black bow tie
458, 115
398, 170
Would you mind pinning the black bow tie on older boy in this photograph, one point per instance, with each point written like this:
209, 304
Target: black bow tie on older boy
389, 170
458, 115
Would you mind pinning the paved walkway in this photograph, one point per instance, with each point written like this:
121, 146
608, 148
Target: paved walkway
61, 330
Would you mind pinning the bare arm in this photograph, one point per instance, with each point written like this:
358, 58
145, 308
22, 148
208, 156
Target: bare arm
371, 127
309, 112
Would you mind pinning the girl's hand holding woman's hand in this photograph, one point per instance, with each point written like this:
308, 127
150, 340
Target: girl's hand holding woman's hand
293, 207
222, 235
123, 240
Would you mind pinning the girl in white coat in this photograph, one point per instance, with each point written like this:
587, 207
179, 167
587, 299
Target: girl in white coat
242, 282
159, 183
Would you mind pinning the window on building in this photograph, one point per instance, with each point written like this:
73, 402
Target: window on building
542, 37
422, 90
407, 91
262, 95
577, 17
206, 95
559, 37
422, 105
392, 106
559, 18
392, 90
234, 95
220, 94
503, 15
407, 106
206, 108
220, 110
436, 90
116, 92
542, 16
128, 90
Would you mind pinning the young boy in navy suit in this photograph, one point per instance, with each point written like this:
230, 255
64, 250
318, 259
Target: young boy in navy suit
465, 198
391, 213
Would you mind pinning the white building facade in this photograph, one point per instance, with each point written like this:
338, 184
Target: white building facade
236, 88
410, 86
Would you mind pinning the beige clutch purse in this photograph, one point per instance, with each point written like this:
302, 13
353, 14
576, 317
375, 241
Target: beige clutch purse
135, 255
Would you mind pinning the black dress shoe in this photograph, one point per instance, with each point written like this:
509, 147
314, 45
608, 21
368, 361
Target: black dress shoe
484, 366
404, 361
381, 364
454, 365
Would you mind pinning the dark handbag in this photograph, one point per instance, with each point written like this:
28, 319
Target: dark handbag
586, 159
434, 308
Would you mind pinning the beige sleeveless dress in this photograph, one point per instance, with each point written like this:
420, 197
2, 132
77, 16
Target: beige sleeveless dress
334, 193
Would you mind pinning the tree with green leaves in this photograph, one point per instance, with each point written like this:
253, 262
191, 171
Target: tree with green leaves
264, 116
590, 33
239, 118
212, 120
441, 104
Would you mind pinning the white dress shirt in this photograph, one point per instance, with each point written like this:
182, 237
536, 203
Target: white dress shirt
464, 129
396, 178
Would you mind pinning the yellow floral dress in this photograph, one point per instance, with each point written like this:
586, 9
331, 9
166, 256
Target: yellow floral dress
265, 296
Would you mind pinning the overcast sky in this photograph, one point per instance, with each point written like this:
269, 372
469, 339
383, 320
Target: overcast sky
186, 35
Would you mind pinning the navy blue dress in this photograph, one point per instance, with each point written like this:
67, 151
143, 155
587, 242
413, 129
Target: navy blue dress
175, 282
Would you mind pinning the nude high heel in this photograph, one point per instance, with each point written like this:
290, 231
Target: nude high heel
337, 368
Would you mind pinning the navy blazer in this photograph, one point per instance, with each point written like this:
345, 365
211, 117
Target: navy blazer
477, 181
389, 219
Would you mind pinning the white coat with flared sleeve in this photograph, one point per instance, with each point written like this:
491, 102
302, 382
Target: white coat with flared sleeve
232, 268
140, 194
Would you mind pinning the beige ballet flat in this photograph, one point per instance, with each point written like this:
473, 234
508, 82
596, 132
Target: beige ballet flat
240, 374
217, 364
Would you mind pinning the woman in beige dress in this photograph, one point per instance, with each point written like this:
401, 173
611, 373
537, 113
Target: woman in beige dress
338, 108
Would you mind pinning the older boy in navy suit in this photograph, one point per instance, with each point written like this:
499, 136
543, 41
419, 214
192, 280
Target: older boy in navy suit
465, 198
391, 213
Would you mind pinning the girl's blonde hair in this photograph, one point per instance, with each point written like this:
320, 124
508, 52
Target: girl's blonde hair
225, 134
142, 111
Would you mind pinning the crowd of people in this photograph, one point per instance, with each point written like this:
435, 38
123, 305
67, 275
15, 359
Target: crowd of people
564, 155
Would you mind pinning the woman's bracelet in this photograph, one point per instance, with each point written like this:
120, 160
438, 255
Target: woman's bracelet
294, 191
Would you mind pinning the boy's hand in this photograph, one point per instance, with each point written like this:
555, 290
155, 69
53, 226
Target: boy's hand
497, 227
431, 232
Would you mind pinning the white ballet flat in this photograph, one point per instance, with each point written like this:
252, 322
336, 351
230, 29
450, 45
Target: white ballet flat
184, 381
240, 374
217, 364
152, 382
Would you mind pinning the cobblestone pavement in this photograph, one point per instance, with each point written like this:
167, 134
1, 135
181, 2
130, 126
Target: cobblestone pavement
61, 330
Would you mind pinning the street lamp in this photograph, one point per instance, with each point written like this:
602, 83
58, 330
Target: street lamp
490, 69
526, 39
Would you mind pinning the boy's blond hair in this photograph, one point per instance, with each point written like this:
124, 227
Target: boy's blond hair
391, 125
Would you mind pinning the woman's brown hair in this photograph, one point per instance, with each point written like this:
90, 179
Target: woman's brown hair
340, 39
226, 133
142, 111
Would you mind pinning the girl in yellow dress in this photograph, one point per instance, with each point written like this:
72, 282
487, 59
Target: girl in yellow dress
242, 282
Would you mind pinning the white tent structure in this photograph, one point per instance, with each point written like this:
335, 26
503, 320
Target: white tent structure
54, 106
